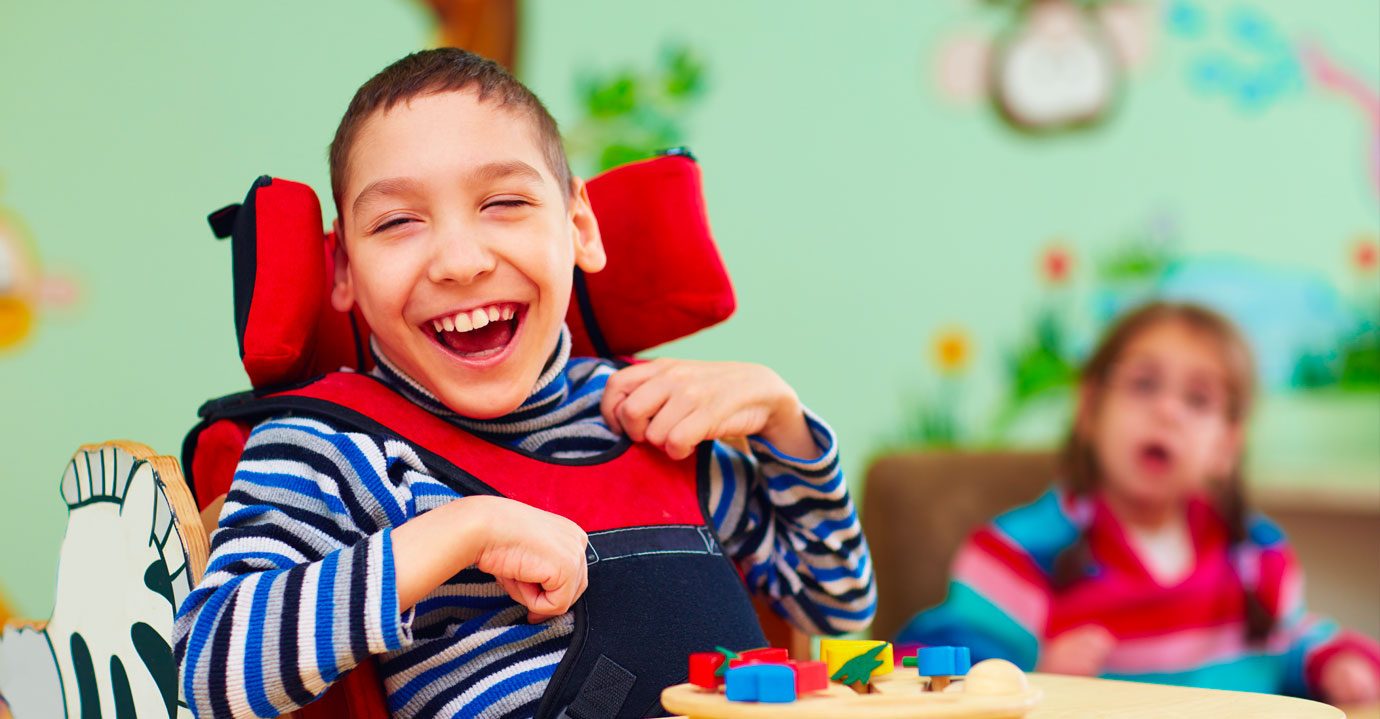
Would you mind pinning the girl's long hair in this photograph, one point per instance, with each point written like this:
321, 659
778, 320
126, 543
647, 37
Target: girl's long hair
1078, 460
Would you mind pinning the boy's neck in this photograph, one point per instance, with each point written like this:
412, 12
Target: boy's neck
550, 387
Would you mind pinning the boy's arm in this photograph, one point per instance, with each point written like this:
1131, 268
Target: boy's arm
537, 557
782, 511
300, 585
788, 521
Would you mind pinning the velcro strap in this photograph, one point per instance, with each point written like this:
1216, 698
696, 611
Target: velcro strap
628, 542
603, 693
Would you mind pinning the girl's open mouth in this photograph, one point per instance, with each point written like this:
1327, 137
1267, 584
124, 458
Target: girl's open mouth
1155, 457
481, 333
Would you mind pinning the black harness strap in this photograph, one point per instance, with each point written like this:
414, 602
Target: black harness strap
603, 693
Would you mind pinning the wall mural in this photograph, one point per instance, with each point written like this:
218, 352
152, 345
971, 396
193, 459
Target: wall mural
1311, 337
1059, 64
627, 114
484, 27
632, 114
1241, 54
1316, 337
26, 288
1348, 86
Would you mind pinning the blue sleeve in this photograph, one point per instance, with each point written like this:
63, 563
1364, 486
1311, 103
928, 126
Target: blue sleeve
791, 526
300, 586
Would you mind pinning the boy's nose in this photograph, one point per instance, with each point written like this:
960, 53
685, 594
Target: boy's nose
459, 256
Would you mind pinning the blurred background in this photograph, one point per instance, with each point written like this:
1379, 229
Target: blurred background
927, 213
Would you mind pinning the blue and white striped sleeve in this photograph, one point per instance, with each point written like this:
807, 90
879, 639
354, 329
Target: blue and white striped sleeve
300, 583
792, 527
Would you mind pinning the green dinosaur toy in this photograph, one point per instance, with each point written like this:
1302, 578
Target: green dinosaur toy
858, 670
729, 655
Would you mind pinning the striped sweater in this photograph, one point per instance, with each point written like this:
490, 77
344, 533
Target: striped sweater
300, 585
1001, 601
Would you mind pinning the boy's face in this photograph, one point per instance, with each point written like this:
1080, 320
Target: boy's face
458, 246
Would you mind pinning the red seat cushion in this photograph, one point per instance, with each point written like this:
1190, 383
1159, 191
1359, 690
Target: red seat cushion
664, 279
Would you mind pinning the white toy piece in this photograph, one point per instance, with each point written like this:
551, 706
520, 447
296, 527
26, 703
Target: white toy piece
133, 550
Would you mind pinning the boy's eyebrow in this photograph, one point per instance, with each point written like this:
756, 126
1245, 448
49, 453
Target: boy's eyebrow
504, 169
383, 188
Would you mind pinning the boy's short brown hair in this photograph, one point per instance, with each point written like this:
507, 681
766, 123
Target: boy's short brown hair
445, 69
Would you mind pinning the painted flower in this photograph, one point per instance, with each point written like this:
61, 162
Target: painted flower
25, 288
952, 350
1365, 255
1056, 264
16, 321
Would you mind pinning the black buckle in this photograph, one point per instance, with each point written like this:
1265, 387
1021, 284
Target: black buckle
223, 221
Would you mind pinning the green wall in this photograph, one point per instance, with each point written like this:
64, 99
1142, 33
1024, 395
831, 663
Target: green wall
857, 211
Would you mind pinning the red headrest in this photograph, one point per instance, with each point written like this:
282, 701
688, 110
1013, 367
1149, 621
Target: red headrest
664, 278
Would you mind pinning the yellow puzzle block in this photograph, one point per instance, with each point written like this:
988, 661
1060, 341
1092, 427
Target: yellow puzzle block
834, 652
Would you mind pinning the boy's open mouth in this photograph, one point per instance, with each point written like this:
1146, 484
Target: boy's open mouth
480, 333
1155, 457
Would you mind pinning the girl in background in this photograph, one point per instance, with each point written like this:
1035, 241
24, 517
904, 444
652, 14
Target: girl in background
1145, 563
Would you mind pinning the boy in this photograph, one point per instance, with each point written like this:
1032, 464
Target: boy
459, 228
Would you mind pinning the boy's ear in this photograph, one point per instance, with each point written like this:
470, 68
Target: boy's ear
589, 245
342, 288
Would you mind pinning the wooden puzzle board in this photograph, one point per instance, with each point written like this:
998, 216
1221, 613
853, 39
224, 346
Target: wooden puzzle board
898, 695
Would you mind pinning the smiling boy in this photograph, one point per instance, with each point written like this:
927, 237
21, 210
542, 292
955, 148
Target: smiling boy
459, 229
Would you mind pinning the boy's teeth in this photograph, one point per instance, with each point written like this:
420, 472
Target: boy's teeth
474, 319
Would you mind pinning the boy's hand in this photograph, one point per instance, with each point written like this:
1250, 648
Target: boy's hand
1349, 678
1082, 651
676, 404
536, 556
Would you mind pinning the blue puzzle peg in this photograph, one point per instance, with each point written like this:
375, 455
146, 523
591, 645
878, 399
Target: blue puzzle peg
769, 683
943, 661
940, 664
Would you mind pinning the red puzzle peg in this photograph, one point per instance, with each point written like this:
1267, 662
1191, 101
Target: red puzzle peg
810, 677
765, 655
704, 668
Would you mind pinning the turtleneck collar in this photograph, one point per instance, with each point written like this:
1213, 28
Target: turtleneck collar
551, 390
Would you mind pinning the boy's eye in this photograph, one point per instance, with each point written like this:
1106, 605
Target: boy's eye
389, 224
507, 202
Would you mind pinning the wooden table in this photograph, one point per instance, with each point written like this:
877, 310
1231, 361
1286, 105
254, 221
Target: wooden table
1367, 711
1080, 697
1068, 697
